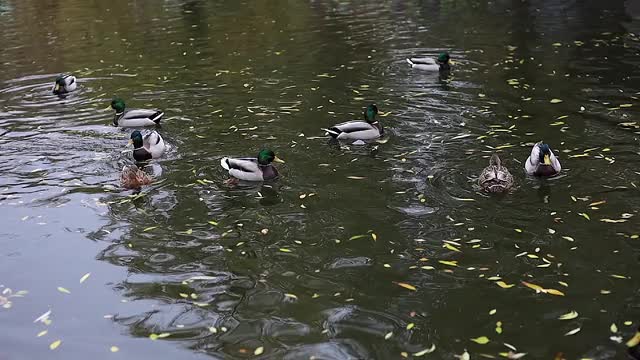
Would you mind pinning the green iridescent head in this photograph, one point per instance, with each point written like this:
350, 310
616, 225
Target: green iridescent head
117, 104
266, 157
443, 57
370, 113
136, 139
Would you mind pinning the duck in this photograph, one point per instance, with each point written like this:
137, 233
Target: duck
369, 129
441, 63
259, 168
542, 161
633, 346
495, 178
65, 83
147, 147
134, 117
132, 177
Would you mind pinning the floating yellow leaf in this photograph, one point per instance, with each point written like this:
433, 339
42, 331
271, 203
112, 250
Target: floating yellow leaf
568, 238
84, 277
258, 351
450, 263
554, 292
388, 335
613, 328
407, 286
572, 332
54, 345
164, 335
285, 250
619, 276
410, 326
481, 340
425, 351
149, 228
114, 349
354, 237
533, 286
212, 223
504, 285
555, 101
63, 290
153, 336
374, 236
568, 316
493, 312
42, 333
356, 177
451, 247
586, 216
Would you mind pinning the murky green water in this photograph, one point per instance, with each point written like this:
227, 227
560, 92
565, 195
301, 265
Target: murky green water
233, 77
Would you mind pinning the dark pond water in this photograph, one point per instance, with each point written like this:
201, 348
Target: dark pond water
193, 268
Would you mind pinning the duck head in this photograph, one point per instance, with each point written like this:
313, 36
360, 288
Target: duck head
544, 154
370, 113
136, 139
59, 85
443, 58
266, 157
117, 104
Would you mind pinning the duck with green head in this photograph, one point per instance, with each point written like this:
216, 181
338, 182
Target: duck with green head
65, 83
441, 63
147, 147
495, 178
369, 129
259, 168
542, 161
134, 117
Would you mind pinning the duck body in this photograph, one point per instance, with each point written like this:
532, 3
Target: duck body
133, 177
542, 161
65, 83
369, 129
134, 117
441, 63
252, 169
148, 146
495, 178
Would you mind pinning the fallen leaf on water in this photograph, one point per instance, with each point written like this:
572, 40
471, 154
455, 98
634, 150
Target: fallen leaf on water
481, 340
354, 237
613, 328
43, 317
568, 238
84, 277
451, 247
63, 290
504, 285
55, 344
618, 276
407, 286
410, 326
374, 236
212, 223
554, 292
533, 286
42, 333
493, 312
149, 228
465, 356
388, 335
285, 250
555, 101
568, 316
258, 351
450, 263
572, 332
584, 216
114, 349
356, 177
425, 351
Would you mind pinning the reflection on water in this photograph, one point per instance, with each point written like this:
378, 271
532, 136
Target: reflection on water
376, 251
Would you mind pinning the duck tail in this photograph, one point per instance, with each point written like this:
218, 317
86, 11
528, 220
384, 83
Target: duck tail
495, 160
410, 62
333, 132
157, 117
224, 162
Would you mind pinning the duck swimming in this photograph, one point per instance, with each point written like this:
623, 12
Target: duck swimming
133, 177
495, 178
441, 63
65, 83
147, 147
134, 117
259, 168
369, 129
542, 161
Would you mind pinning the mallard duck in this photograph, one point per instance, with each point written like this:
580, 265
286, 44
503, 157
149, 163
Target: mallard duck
542, 161
368, 129
252, 169
441, 63
133, 177
634, 346
147, 147
495, 178
134, 117
65, 83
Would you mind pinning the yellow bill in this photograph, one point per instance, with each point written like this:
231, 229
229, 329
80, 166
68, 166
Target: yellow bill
130, 142
547, 160
277, 159
56, 87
